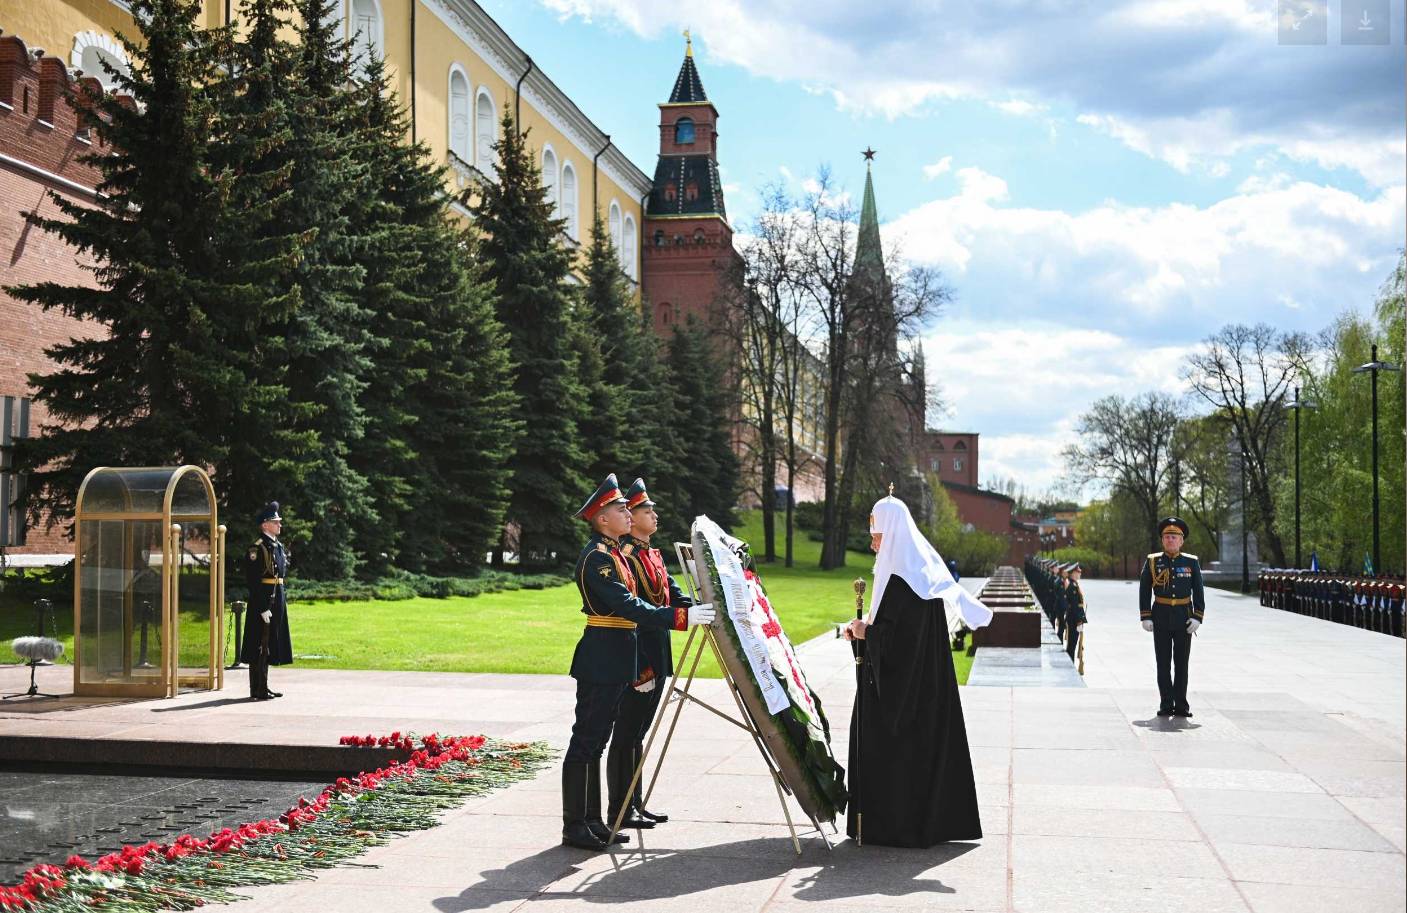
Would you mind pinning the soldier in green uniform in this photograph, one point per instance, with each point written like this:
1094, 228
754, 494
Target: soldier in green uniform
1074, 610
638, 704
1171, 605
606, 660
266, 639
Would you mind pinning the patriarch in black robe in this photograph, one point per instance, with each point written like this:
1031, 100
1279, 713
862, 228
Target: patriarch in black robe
911, 770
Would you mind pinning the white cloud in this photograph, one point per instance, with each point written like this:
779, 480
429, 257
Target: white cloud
940, 167
1185, 81
1020, 107
1129, 264
1024, 387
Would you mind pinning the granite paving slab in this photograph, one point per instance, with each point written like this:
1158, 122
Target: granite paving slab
1284, 793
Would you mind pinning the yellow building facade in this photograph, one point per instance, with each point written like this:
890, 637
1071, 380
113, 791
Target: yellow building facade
453, 67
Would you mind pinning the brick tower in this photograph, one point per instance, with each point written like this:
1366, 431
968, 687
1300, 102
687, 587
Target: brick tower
688, 241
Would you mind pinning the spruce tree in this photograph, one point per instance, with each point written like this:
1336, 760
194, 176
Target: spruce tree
254, 135
319, 352
530, 270
169, 376
616, 359
707, 474
441, 417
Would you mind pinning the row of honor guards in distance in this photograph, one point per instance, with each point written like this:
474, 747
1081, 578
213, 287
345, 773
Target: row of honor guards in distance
1371, 603
1057, 589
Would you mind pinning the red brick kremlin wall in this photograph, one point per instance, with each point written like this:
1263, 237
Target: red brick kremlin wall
40, 144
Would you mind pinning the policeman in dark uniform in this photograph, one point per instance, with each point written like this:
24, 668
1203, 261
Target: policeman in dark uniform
606, 660
1171, 605
266, 639
1074, 610
638, 705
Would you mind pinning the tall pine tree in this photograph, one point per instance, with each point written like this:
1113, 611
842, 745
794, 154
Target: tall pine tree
530, 270
169, 377
441, 416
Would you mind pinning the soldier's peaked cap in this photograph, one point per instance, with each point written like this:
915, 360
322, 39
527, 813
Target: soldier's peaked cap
606, 494
269, 512
1173, 525
637, 496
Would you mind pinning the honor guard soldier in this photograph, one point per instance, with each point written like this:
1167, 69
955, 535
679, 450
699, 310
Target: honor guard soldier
1171, 605
638, 704
1074, 610
266, 639
607, 658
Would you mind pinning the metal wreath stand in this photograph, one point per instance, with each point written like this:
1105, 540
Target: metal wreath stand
678, 696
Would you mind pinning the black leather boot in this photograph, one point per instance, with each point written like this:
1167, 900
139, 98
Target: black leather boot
620, 767
639, 801
576, 831
593, 806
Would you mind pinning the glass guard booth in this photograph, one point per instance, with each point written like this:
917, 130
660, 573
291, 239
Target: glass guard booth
149, 583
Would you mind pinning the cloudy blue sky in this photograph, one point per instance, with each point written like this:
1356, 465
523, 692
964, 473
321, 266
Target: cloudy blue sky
1103, 184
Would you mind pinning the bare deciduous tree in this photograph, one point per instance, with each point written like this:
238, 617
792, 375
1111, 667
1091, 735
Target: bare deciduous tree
1246, 373
1128, 443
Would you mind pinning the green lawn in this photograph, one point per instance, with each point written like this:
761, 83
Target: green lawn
531, 631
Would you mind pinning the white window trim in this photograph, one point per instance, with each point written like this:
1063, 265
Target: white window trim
615, 224
464, 154
105, 43
554, 189
574, 217
481, 93
378, 41
630, 234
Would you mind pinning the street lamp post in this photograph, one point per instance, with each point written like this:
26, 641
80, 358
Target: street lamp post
1297, 404
1373, 367
1245, 531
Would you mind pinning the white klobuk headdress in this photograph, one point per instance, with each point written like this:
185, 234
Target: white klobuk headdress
906, 553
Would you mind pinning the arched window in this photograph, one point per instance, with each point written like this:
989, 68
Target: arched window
659, 237
627, 249
569, 200
671, 193
484, 133
683, 131
664, 314
459, 113
613, 223
699, 237
691, 191
91, 50
549, 180
368, 37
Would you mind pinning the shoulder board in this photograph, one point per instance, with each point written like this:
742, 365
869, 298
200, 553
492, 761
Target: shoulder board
1189, 555
1153, 555
601, 547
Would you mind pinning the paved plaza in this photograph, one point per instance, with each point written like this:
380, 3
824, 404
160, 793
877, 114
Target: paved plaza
1284, 793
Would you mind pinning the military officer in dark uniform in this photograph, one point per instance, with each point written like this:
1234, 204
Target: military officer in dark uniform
607, 658
266, 639
1074, 610
1171, 605
638, 704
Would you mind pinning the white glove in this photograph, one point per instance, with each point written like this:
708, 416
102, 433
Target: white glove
645, 687
267, 616
1148, 625
1080, 628
701, 614
1192, 625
